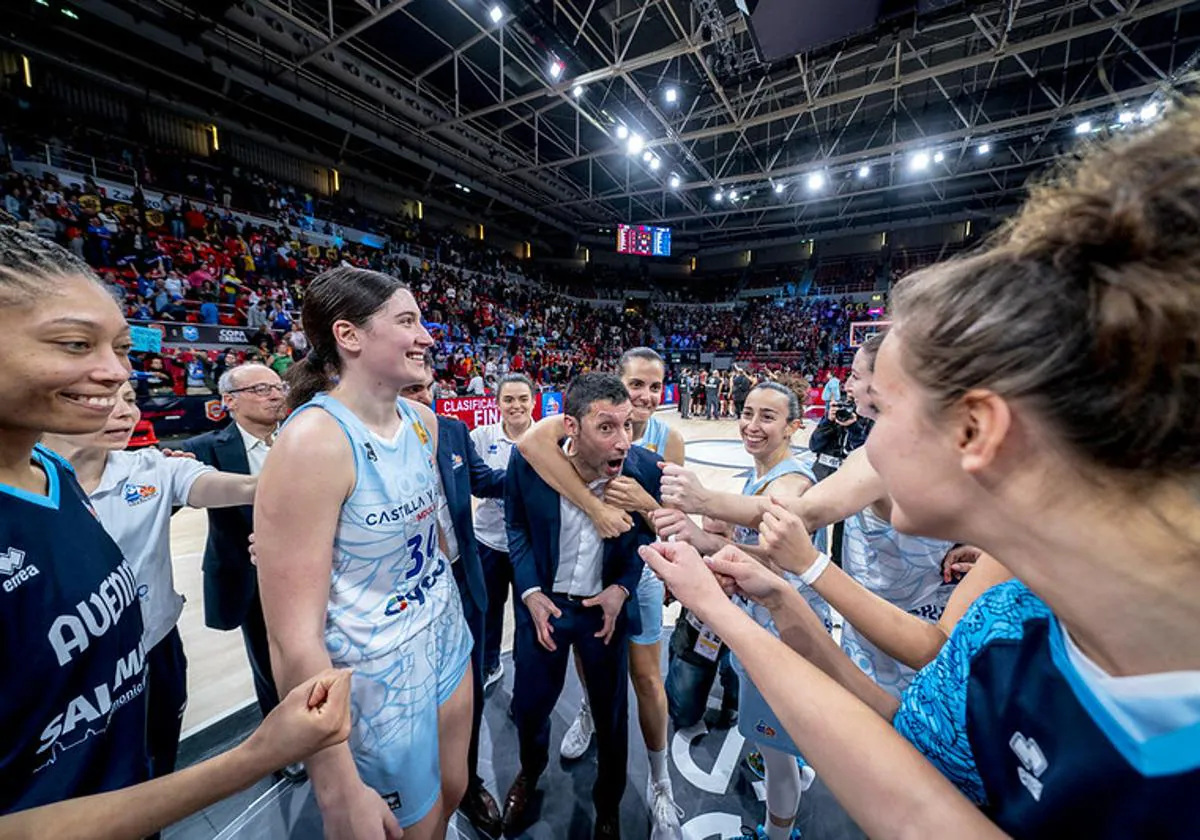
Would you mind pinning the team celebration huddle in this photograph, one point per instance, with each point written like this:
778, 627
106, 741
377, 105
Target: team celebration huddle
985, 622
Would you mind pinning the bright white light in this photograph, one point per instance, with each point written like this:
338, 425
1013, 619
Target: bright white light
1148, 112
622, 132
733, 195
647, 156
779, 188
496, 14
636, 143
466, 189
864, 171
556, 70
1084, 127
939, 157
920, 161
1125, 117
984, 148
671, 95
674, 182
718, 196
578, 91
815, 181
655, 163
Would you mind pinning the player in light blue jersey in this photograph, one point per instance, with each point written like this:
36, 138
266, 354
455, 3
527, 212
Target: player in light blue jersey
352, 568
642, 372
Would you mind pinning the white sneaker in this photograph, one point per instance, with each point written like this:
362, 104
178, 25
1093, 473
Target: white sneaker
579, 736
664, 813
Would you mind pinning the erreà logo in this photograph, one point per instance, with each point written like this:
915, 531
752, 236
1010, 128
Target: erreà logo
1033, 762
12, 566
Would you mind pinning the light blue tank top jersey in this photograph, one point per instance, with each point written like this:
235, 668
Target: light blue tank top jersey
655, 436
905, 571
748, 536
394, 614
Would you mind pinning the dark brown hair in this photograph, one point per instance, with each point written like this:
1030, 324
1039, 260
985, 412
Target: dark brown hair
28, 262
1087, 307
340, 294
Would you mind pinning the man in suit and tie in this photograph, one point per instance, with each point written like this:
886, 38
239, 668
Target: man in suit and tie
255, 397
575, 590
464, 474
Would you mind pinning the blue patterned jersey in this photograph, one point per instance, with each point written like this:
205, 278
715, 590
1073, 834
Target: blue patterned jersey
655, 436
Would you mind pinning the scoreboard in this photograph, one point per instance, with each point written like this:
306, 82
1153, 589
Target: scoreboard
644, 240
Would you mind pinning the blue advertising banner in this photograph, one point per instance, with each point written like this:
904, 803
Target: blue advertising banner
552, 403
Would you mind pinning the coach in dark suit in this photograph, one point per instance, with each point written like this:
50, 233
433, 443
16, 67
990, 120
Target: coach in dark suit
575, 590
464, 474
254, 396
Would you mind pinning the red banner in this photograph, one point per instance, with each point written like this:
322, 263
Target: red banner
483, 411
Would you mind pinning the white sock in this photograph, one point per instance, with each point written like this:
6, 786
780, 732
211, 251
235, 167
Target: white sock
778, 832
658, 767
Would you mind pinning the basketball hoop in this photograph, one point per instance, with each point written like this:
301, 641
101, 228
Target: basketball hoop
860, 331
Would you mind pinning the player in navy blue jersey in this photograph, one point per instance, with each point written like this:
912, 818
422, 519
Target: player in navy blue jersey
1037, 400
73, 709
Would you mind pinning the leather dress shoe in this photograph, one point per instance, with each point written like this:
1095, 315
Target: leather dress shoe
517, 802
480, 808
608, 827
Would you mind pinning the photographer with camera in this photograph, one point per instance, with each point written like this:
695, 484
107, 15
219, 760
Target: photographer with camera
839, 433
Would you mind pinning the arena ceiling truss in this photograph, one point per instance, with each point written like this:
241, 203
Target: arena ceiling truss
568, 116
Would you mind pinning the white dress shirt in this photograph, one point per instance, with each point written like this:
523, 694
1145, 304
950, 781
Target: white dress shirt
256, 450
495, 448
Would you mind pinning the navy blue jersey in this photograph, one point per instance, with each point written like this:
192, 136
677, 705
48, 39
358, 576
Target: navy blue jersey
73, 710
1005, 715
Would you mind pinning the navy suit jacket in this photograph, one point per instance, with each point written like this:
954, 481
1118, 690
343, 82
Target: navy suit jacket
230, 579
465, 474
533, 520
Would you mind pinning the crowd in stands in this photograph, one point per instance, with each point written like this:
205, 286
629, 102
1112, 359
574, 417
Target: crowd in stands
194, 261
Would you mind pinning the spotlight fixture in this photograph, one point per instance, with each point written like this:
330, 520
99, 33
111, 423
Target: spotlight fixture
647, 156
674, 181
864, 171
1149, 111
671, 95
636, 143
577, 91
984, 148
1125, 117
920, 161
496, 14
622, 132
655, 163
718, 196
938, 157
733, 194
556, 69
815, 181
1084, 127
779, 188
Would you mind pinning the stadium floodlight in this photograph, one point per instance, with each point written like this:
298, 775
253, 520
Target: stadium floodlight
675, 182
636, 143
496, 14
556, 69
864, 171
733, 194
984, 148
671, 95
920, 161
718, 196
655, 163
647, 156
1125, 117
577, 91
1149, 111
938, 157
779, 188
622, 132
1084, 127
815, 181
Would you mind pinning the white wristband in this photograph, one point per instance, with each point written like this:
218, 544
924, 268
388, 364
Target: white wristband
818, 567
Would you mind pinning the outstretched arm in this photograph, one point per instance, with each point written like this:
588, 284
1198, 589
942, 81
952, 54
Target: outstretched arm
882, 781
312, 716
222, 489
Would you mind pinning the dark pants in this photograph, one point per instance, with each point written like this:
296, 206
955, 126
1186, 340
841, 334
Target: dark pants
690, 678
475, 621
714, 407
497, 572
539, 682
166, 698
685, 404
258, 651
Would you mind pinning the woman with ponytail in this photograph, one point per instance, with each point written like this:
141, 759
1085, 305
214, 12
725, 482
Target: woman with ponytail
351, 564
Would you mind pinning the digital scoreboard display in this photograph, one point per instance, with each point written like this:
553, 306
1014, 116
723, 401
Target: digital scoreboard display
644, 240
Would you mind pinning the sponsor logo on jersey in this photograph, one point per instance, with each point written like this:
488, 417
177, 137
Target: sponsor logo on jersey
456, 461
393, 800
371, 456
12, 566
135, 494
763, 728
1033, 763
401, 601
423, 435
